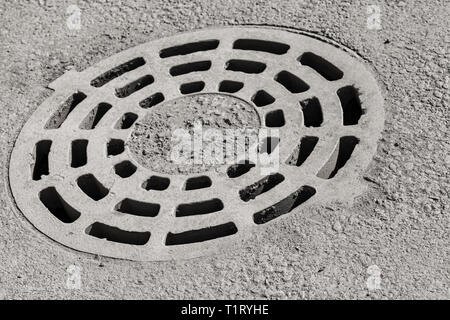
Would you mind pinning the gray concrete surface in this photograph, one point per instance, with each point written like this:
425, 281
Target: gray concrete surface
400, 224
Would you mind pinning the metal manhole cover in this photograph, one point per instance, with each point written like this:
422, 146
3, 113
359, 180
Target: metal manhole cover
83, 170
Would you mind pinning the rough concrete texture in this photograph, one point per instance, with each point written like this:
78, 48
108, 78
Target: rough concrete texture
399, 224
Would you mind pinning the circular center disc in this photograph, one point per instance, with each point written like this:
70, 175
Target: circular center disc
154, 139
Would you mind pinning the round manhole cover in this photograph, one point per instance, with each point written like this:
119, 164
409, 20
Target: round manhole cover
91, 167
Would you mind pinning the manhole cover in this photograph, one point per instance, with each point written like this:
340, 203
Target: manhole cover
90, 170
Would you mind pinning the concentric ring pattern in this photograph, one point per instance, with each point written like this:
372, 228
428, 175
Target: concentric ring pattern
72, 175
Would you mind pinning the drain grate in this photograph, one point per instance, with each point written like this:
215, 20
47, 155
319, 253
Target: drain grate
74, 176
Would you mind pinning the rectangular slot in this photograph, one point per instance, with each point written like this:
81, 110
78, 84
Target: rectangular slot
190, 67
260, 187
303, 151
78, 153
138, 208
126, 121
125, 169
262, 98
115, 147
351, 105
275, 119
325, 68
205, 234
198, 183
230, 86
151, 101
41, 152
58, 118
117, 72
291, 82
239, 169
93, 188
189, 48
261, 45
94, 117
192, 87
284, 206
52, 200
339, 158
246, 66
156, 183
197, 208
312, 112
134, 86
103, 231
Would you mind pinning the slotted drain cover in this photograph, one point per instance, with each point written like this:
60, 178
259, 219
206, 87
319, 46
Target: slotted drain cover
77, 171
